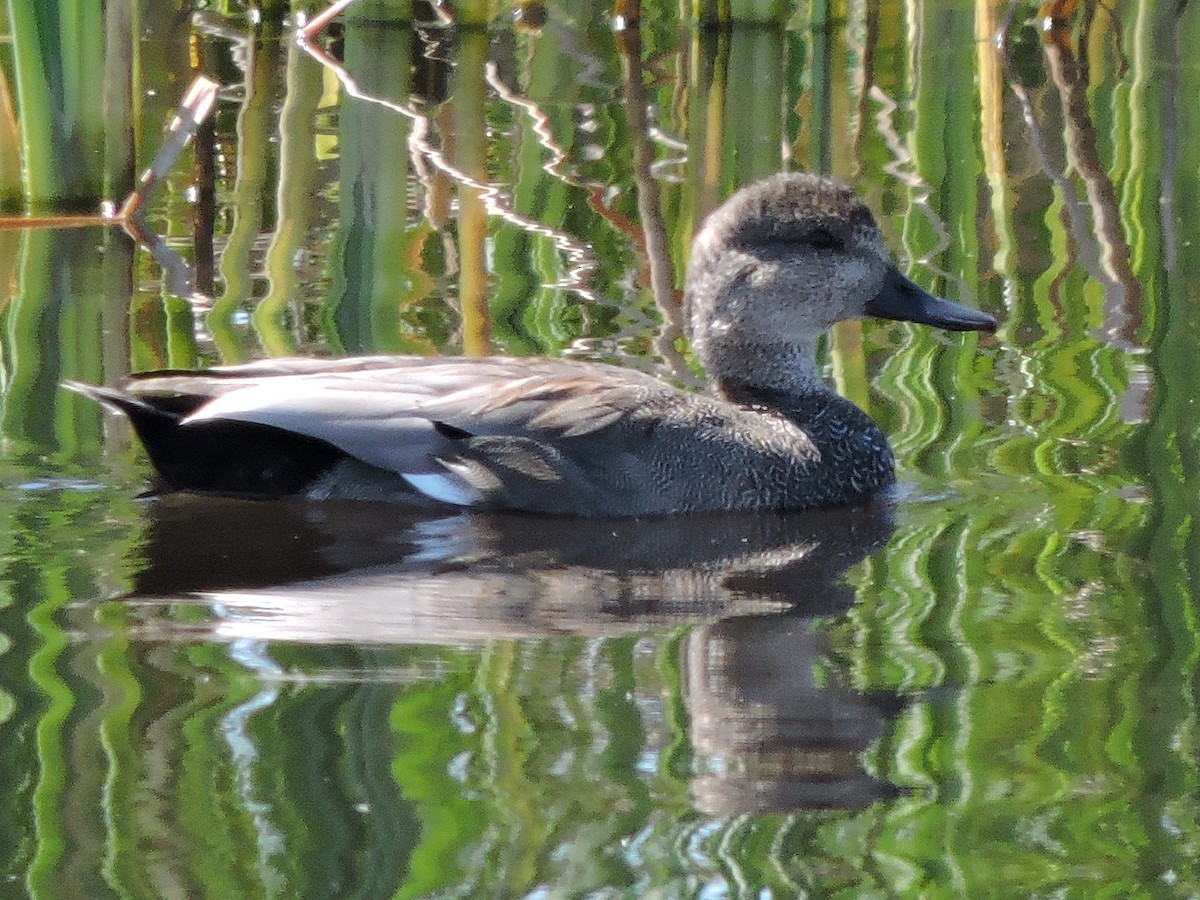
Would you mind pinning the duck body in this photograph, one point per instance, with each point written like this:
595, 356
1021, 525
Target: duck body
772, 268
543, 435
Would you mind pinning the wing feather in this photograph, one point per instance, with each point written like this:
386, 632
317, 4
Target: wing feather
410, 419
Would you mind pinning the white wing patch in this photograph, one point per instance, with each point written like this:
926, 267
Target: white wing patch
444, 487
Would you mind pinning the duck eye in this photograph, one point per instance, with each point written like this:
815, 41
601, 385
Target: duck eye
822, 239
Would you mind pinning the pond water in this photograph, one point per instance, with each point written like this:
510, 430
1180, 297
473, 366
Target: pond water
984, 685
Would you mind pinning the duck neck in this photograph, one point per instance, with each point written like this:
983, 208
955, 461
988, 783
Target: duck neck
766, 374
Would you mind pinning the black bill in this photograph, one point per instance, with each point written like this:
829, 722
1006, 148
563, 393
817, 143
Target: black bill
901, 299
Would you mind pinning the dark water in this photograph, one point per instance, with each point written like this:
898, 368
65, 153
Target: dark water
984, 686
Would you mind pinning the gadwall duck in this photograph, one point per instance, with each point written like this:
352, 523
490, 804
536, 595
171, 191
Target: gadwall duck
771, 270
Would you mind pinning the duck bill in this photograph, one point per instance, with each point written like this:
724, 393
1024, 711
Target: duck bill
904, 301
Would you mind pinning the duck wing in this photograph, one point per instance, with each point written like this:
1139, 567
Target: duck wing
403, 417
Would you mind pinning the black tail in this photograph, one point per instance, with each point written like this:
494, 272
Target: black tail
218, 456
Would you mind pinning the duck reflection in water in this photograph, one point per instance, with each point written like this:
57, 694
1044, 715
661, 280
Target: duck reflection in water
766, 735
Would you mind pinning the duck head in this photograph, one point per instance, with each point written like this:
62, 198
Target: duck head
778, 263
